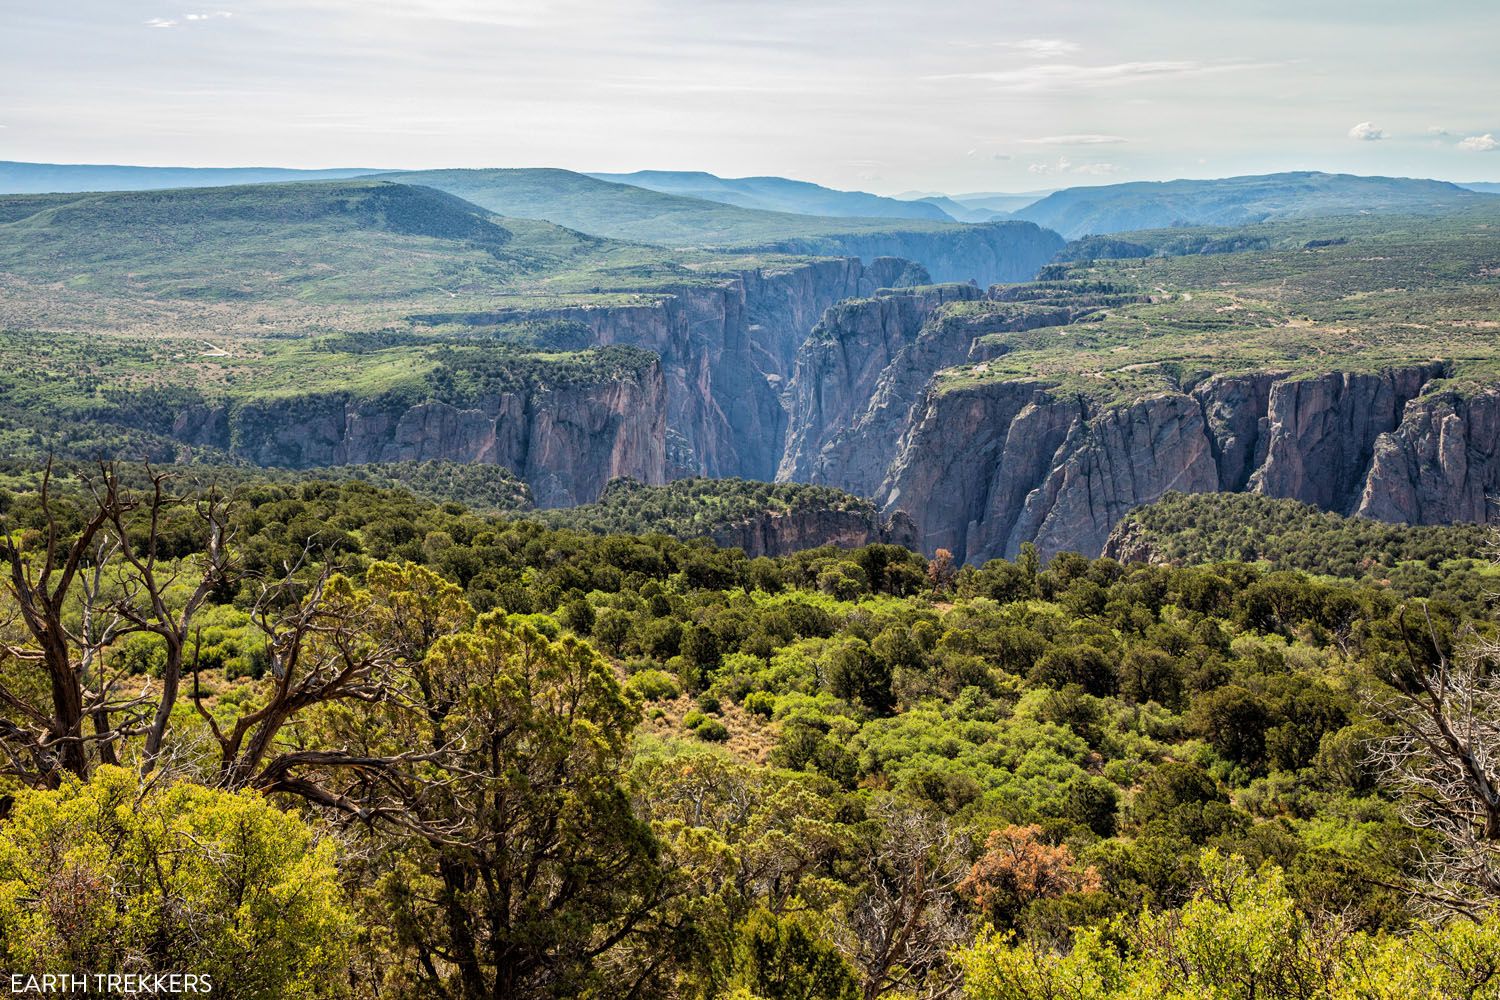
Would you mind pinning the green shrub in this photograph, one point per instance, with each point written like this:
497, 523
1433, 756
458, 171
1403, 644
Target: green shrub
654, 685
109, 876
785, 958
762, 703
711, 730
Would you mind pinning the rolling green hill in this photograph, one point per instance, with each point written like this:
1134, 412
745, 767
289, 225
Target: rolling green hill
331, 241
272, 259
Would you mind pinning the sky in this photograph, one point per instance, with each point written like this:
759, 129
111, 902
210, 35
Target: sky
890, 96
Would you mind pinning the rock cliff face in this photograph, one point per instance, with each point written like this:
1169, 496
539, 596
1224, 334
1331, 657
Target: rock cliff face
1131, 542
985, 465
565, 442
862, 373
1442, 464
988, 253
1321, 432
836, 384
1119, 458
779, 534
726, 349
782, 305
985, 468
711, 406
971, 453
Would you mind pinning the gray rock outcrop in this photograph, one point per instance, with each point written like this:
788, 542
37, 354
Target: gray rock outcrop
1442, 464
566, 442
988, 467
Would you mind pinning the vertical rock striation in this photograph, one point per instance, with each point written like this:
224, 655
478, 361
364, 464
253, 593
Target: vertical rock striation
984, 468
566, 442
1442, 464
1322, 429
864, 370
726, 348
1122, 457
836, 383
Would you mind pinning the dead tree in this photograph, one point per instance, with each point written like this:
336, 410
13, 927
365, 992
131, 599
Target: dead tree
46, 569
906, 918
96, 570
1444, 761
146, 581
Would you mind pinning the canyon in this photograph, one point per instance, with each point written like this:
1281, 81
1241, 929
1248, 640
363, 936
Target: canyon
984, 465
882, 376
726, 345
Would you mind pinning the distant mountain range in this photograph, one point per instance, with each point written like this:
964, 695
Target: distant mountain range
958, 210
694, 208
1001, 201
950, 251
978, 206
60, 178
1233, 201
629, 212
779, 194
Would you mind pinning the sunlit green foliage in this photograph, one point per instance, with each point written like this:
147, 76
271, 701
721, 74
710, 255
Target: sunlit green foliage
708, 762
1241, 937
112, 876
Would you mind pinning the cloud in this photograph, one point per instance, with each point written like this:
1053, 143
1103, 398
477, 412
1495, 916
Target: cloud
675, 85
1068, 76
1077, 139
1043, 48
1366, 132
1063, 165
170, 22
1486, 143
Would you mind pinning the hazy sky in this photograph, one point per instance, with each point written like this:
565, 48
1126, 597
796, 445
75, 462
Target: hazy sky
886, 95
